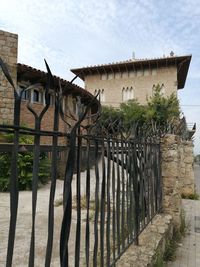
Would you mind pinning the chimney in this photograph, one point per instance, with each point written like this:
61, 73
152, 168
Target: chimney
133, 55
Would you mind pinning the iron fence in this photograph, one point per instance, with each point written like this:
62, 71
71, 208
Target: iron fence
111, 188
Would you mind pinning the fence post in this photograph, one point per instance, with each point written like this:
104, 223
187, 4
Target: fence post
170, 176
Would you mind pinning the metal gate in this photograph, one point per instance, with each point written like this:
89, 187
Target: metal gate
111, 187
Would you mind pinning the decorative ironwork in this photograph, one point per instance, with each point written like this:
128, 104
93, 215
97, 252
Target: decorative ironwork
123, 191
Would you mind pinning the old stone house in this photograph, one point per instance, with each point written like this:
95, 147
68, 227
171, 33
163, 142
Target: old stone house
24, 76
135, 78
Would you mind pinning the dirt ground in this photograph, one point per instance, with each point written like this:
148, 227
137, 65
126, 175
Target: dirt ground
24, 222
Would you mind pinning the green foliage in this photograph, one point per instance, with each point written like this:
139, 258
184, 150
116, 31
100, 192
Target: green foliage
158, 109
25, 166
193, 196
5, 160
162, 109
133, 112
110, 114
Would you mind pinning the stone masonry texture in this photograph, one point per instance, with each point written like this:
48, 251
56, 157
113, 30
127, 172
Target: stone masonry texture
177, 173
8, 53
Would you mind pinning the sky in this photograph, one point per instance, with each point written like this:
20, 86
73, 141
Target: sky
77, 33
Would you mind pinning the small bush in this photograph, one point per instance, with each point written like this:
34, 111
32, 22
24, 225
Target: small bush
24, 166
178, 234
193, 196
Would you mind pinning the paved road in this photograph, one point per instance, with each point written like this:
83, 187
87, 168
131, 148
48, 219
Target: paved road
188, 254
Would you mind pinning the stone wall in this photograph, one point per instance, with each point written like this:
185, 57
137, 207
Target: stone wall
152, 243
177, 173
8, 52
187, 185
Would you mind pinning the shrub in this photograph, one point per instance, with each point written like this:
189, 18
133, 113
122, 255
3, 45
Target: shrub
24, 165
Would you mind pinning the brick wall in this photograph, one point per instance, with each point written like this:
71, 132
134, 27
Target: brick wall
8, 52
28, 119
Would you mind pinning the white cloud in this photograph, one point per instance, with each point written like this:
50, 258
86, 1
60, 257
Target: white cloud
72, 33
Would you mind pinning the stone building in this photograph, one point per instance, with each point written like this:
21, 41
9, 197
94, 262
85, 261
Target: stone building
135, 78
24, 76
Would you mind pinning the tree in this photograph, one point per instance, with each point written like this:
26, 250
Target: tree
159, 110
162, 109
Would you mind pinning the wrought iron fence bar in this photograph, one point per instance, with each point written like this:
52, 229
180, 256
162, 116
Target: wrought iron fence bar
113, 205
108, 191
118, 200
87, 232
102, 208
36, 154
96, 238
14, 191
78, 203
30, 131
54, 173
123, 226
135, 184
7, 147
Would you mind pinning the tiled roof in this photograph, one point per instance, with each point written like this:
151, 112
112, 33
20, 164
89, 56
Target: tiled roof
28, 73
182, 63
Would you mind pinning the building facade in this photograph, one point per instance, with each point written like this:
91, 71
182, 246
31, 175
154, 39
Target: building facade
135, 78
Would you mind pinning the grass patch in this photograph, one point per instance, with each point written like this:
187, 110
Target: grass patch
83, 203
178, 234
193, 196
172, 245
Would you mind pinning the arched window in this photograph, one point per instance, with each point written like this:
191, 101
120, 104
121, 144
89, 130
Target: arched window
37, 96
102, 95
123, 94
25, 93
131, 93
127, 94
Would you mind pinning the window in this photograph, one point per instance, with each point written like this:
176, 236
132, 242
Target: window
110, 76
74, 104
51, 99
132, 73
146, 72
37, 96
154, 72
104, 76
127, 93
102, 95
124, 74
118, 75
25, 94
131, 93
123, 94
139, 73
63, 104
